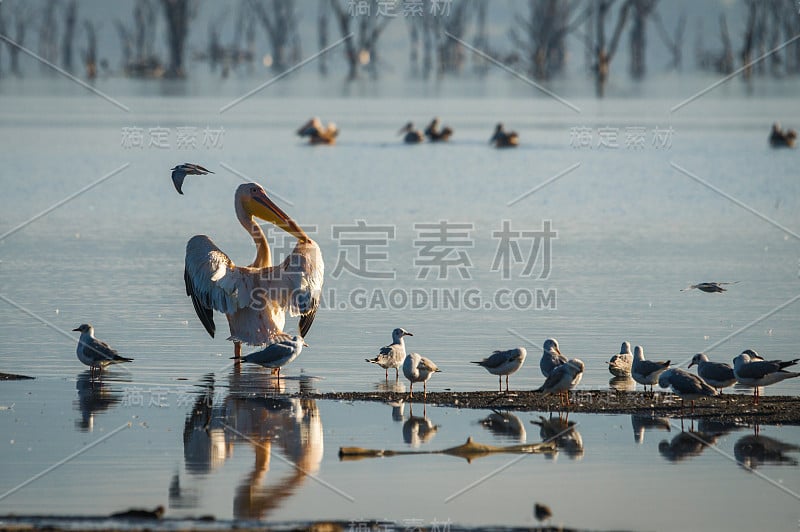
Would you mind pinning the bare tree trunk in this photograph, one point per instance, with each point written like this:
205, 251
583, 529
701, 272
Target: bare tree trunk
280, 24
69, 34
90, 53
48, 34
322, 37
725, 64
177, 15
674, 44
641, 10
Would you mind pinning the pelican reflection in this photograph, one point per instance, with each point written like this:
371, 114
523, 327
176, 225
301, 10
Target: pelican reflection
204, 447
94, 397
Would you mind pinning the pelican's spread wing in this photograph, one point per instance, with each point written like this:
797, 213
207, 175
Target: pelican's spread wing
304, 272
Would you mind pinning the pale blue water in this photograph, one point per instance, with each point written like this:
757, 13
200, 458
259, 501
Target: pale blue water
632, 231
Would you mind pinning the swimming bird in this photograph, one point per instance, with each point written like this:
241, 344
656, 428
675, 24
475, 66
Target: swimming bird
417, 368
686, 385
276, 355
551, 357
96, 353
709, 287
255, 298
180, 172
761, 372
564, 378
413, 136
503, 139
542, 512
779, 138
317, 133
504, 363
620, 364
716, 374
435, 135
646, 371
392, 355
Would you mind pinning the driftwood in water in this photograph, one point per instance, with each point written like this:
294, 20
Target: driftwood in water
469, 451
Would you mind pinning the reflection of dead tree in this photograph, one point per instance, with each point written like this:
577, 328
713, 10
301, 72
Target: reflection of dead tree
48, 34
427, 30
236, 53
481, 41
177, 14
720, 62
596, 41
674, 44
725, 65
543, 35
322, 37
138, 59
641, 10
362, 48
23, 16
71, 16
280, 19
90, 53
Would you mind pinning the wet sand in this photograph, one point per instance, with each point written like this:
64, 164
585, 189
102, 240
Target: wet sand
730, 407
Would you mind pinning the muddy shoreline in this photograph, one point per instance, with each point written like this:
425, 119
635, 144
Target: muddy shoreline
731, 407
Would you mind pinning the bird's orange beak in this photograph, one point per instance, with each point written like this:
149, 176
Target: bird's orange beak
267, 210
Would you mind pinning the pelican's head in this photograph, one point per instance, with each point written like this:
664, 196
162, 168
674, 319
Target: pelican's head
625, 348
398, 333
314, 123
84, 328
498, 131
699, 357
406, 128
252, 200
638, 352
551, 345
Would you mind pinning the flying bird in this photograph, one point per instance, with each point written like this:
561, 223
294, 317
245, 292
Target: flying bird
96, 353
255, 298
180, 172
392, 355
709, 287
758, 373
504, 363
285, 349
417, 368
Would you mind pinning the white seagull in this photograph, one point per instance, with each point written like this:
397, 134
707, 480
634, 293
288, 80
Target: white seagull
551, 357
620, 364
417, 368
285, 349
646, 371
504, 363
96, 353
761, 372
564, 378
392, 355
686, 385
717, 374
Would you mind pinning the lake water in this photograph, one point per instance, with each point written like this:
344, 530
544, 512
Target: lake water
631, 231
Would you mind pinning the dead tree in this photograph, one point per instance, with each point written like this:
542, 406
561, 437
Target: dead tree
361, 50
725, 61
322, 37
481, 40
177, 14
280, 20
638, 35
596, 42
23, 17
48, 34
126, 43
675, 43
70, 18
90, 52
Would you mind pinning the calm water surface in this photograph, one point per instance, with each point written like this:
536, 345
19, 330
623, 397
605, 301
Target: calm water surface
631, 231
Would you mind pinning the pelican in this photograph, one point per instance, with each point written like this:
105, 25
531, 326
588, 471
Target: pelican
435, 135
504, 363
285, 349
646, 371
716, 374
551, 357
564, 378
503, 139
180, 172
392, 355
620, 364
417, 368
255, 298
779, 138
709, 287
686, 385
755, 373
317, 133
96, 353
413, 136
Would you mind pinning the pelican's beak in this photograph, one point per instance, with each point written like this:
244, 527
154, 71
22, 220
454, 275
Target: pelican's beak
305, 344
77, 329
557, 350
404, 129
266, 209
408, 334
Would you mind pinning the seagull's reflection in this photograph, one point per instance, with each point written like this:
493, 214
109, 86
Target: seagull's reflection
505, 425
622, 384
398, 410
204, 446
390, 386
94, 396
753, 451
717, 428
418, 430
563, 433
643, 423
685, 445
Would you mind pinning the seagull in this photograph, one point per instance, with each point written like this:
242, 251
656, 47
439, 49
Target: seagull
646, 371
686, 385
417, 368
716, 374
96, 353
564, 378
392, 355
182, 170
620, 364
709, 287
761, 372
285, 349
413, 136
551, 357
504, 363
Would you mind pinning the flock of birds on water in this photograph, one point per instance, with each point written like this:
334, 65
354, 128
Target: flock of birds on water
256, 298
